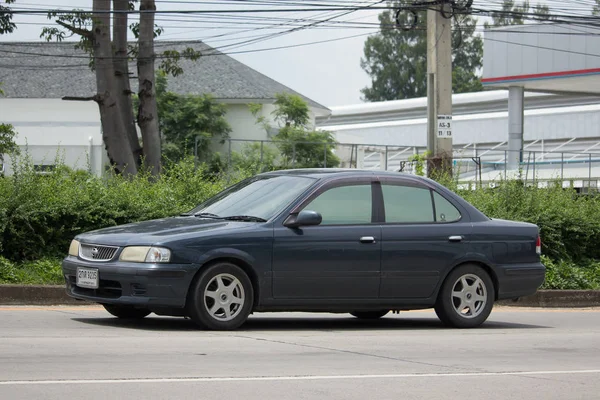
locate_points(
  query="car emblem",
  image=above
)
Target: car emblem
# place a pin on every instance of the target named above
(95, 251)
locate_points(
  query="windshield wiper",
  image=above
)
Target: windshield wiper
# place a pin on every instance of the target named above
(207, 215)
(248, 218)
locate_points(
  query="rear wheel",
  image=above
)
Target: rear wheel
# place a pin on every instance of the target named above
(369, 314)
(466, 298)
(221, 298)
(126, 312)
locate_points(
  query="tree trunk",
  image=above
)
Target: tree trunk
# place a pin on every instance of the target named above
(121, 67)
(113, 128)
(148, 111)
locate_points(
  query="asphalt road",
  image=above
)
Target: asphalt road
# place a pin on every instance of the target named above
(83, 352)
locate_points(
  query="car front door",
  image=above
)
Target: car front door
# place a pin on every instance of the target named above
(337, 259)
(423, 235)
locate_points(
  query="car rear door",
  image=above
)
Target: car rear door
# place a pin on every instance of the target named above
(423, 235)
(338, 259)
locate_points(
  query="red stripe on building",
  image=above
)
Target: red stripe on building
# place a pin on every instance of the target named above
(544, 75)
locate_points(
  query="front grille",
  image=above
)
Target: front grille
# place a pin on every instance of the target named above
(92, 252)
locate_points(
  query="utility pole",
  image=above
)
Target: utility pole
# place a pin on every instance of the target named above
(439, 88)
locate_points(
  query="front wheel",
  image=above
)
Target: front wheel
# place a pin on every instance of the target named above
(466, 298)
(221, 298)
(126, 312)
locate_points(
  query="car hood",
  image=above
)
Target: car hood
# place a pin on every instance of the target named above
(160, 230)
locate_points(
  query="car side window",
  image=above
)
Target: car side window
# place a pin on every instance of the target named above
(344, 205)
(444, 210)
(407, 204)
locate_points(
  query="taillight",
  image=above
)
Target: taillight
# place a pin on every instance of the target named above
(538, 245)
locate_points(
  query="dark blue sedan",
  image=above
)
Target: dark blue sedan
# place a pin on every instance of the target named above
(344, 241)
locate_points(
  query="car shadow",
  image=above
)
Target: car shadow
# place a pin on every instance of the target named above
(275, 323)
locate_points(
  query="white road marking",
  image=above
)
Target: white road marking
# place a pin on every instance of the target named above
(292, 377)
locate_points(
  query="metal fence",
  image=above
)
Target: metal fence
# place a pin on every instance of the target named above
(477, 165)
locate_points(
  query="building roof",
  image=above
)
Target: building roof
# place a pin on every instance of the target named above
(463, 104)
(54, 70)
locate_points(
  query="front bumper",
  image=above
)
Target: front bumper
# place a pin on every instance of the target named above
(143, 285)
(519, 280)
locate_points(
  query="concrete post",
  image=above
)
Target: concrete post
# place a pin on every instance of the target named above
(516, 111)
(439, 88)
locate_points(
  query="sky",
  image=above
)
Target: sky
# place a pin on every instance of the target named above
(328, 73)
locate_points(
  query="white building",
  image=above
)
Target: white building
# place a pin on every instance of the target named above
(36, 76)
(547, 123)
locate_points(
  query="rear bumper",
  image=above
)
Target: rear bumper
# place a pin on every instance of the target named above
(519, 280)
(144, 285)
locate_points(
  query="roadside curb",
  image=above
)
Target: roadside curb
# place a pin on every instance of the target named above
(48, 295)
(54, 295)
(557, 299)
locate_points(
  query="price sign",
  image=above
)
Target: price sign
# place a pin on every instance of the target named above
(444, 126)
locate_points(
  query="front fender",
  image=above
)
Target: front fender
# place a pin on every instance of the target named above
(227, 252)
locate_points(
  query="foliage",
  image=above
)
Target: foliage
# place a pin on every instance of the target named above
(45, 271)
(182, 119)
(42, 213)
(7, 138)
(291, 110)
(515, 14)
(396, 60)
(569, 223)
(6, 24)
(566, 275)
(122, 142)
(419, 161)
(299, 145)
(596, 9)
(306, 149)
(255, 158)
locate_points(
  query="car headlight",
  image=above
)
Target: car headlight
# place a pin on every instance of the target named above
(147, 254)
(74, 248)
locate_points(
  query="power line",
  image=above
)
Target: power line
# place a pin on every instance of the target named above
(223, 11)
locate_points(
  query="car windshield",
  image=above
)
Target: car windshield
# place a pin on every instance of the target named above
(259, 197)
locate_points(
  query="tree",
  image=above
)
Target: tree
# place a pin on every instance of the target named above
(109, 59)
(7, 131)
(515, 14)
(596, 9)
(396, 60)
(6, 24)
(300, 145)
(148, 110)
(7, 139)
(185, 119)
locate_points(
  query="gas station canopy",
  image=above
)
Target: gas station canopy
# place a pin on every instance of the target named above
(547, 57)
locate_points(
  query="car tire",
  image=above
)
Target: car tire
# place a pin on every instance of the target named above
(221, 298)
(468, 286)
(126, 312)
(369, 314)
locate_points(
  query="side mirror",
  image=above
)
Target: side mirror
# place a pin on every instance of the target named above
(304, 218)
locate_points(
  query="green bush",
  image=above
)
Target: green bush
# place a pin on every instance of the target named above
(42, 213)
(46, 271)
(566, 275)
(569, 222)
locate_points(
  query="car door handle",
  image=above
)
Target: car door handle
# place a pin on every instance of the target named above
(367, 239)
(456, 238)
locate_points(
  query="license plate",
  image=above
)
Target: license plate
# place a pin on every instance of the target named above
(87, 278)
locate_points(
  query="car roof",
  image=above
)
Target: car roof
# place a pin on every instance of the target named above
(325, 173)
